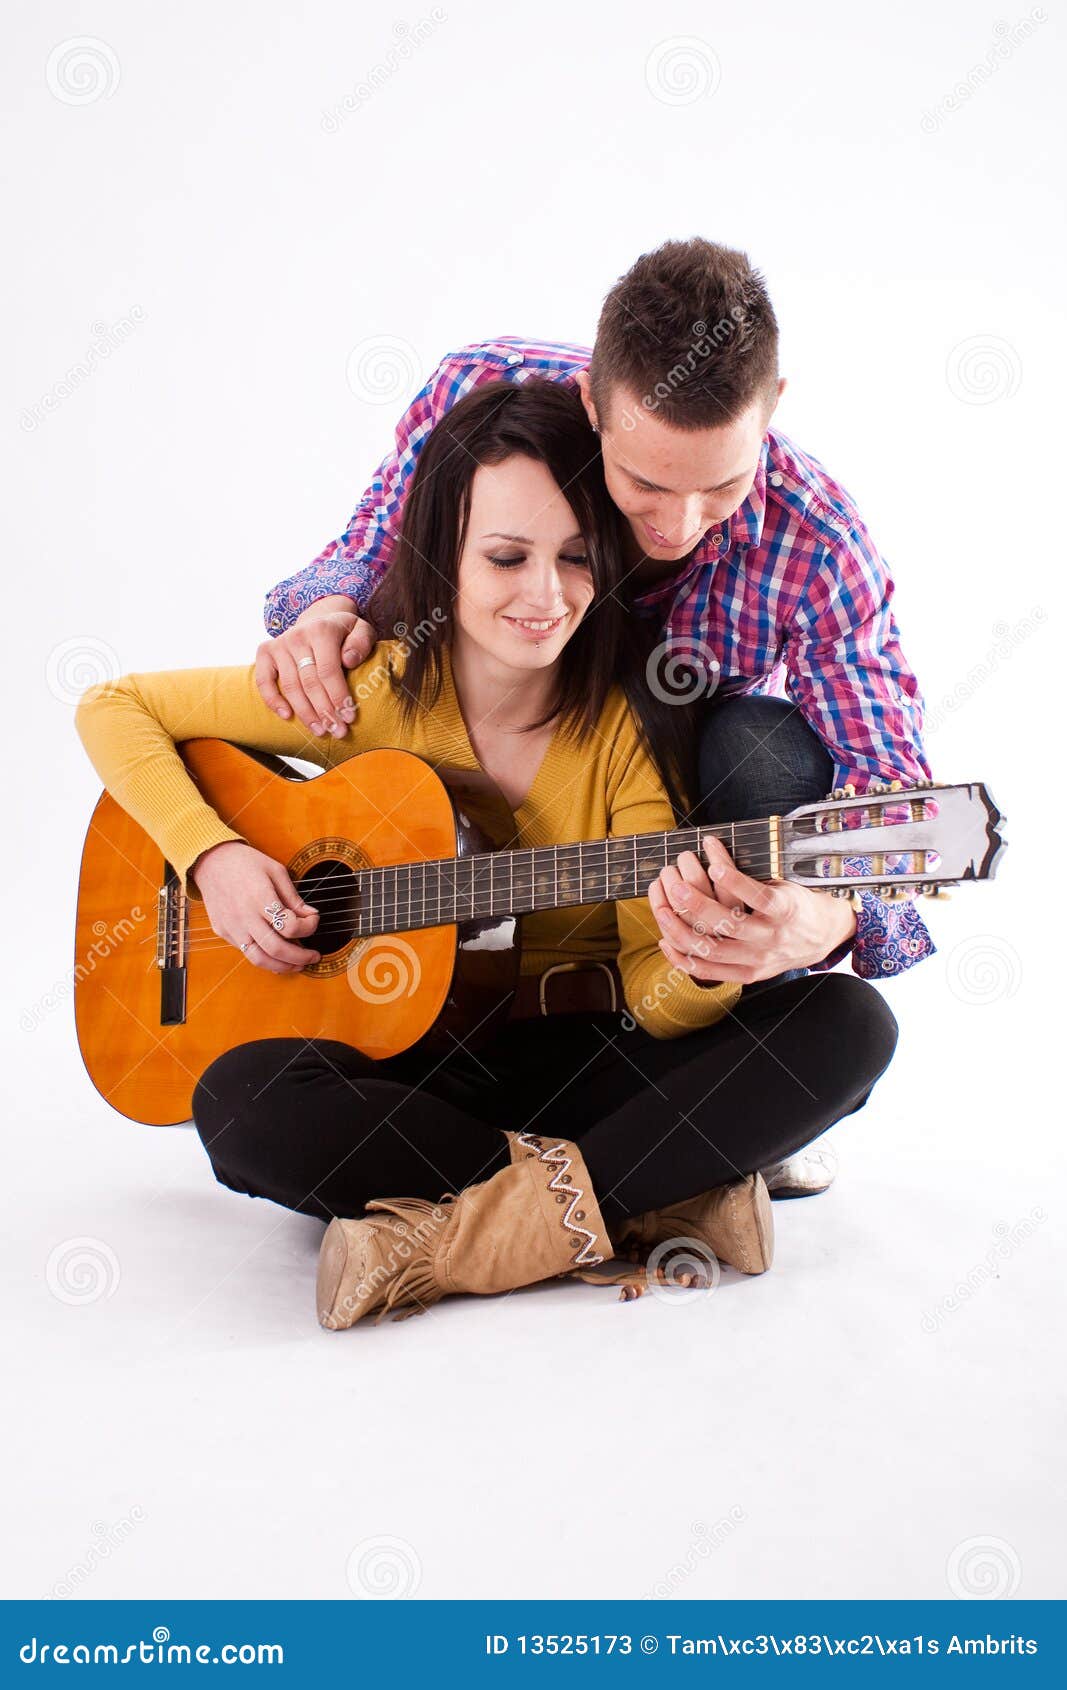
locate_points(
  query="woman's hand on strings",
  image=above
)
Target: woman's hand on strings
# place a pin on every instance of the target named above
(302, 672)
(238, 885)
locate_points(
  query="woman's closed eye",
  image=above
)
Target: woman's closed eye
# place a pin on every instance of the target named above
(509, 562)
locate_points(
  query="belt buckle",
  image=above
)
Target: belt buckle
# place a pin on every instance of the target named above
(568, 968)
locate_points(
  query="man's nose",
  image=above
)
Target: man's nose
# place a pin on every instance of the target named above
(681, 521)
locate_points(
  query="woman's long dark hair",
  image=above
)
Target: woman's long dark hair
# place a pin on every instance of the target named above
(415, 601)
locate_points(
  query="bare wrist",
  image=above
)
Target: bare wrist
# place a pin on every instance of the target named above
(326, 606)
(845, 924)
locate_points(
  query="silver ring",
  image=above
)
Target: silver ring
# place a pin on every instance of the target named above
(306, 663)
(246, 944)
(276, 914)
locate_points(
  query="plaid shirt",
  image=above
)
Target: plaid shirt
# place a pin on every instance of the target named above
(788, 597)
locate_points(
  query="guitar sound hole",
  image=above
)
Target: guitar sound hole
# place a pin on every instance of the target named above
(331, 888)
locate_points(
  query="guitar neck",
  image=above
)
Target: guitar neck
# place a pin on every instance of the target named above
(547, 877)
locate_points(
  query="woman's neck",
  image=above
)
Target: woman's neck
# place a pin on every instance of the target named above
(495, 697)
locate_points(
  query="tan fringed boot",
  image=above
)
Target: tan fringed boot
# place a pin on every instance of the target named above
(534, 1220)
(735, 1222)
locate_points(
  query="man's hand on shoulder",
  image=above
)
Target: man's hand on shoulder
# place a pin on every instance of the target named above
(302, 671)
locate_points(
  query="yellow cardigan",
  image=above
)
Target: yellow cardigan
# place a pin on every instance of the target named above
(605, 785)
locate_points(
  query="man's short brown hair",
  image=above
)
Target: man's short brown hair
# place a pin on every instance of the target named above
(688, 333)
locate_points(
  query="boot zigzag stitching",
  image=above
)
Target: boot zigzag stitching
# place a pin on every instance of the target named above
(557, 1158)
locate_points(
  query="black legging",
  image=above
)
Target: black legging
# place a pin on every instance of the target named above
(322, 1129)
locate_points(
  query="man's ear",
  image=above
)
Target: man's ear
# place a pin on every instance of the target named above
(587, 398)
(782, 385)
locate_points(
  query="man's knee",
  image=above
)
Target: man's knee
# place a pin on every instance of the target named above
(757, 756)
(863, 1026)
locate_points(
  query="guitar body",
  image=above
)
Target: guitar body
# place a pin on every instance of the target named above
(158, 996)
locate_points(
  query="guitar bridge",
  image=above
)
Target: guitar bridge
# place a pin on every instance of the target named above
(172, 923)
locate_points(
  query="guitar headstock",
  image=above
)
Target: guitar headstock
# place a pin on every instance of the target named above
(917, 838)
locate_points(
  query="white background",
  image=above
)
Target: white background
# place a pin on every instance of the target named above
(195, 197)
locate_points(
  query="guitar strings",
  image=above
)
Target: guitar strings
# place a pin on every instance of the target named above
(197, 932)
(566, 858)
(404, 898)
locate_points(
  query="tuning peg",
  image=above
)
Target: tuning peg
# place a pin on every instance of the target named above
(876, 788)
(849, 790)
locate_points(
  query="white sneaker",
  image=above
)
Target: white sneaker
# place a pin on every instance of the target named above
(804, 1174)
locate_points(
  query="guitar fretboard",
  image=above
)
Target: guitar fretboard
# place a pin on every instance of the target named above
(497, 883)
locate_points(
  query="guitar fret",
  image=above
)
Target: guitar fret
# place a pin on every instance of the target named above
(452, 890)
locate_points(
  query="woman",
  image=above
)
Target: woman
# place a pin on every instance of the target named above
(620, 1133)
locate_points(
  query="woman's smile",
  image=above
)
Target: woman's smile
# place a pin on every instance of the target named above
(529, 629)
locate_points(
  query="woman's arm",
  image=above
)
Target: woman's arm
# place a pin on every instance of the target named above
(663, 999)
(130, 728)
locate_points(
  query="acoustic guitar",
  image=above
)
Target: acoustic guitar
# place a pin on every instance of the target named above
(420, 905)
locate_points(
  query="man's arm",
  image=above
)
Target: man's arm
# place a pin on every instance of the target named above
(850, 678)
(314, 619)
(352, 566)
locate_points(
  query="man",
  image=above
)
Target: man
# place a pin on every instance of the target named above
(753, 559)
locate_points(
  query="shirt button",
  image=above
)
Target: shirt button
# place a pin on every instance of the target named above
(776, 479)
(716, 539)
(514, 357)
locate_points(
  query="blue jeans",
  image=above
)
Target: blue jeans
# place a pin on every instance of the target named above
(758, 757)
